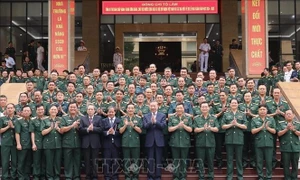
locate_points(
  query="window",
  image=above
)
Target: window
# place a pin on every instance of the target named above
(160, 19)
(4, 13)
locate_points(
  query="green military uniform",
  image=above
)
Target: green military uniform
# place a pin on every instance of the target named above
(130, 98)
(82, 108)
(267, 81)
(171, 81)
(215, 98)
(70, 97)
(80, 79)
(3, 79)
(131, 146)
(99, 87)
(263, 146)
(205, 144)
(242, 91)
(290, 148)
(38, 82)
(71, 148)
(268, 101)
(101, 105)
(230, 81)
(89, 99)
(95, 81)
(220, 135)
(49, 97)
(52, 148)
(238, 97)
(275, 79)
(218, 89)
(16, 79)
(180, 143)
(33, 104)
(192, 99)
(133, 80)
(37, 156)
(116, 77)
(8, 149)
(19, 107)
(248, 148)
(27, 66)
(59, 85)
(234, 140)
(109, 94)
(118, 106)
(24, 155)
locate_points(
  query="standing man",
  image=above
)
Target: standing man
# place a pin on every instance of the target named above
(23, 144)
(204, 55)
(8, 143)
(263, 127)
(118, 57)
(11, 51)
(40, 56)
(71, 143)
(217, 50)
(234, 122)
(289, 132)
(90, 129)
(206, 125)
(154, 124)
(32, 53)
(111, 145)
(10, 62)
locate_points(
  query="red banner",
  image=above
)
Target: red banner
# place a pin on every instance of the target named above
(160, 7)
(59, 35)
(256, 36)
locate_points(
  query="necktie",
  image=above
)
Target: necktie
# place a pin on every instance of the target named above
(91, 120)
(111, 122)
(153, 117)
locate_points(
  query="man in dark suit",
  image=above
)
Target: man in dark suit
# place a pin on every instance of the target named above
(111, 145)
(154, 123)
(90, 129)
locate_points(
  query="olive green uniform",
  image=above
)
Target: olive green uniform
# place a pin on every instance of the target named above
(205, 144)
(234, 140)
(24, 155)
(263, 146)
(131, 146)
(180, 143)
(37, 156)
(248, 148)
(118, 106)
(290, 148)
(230, 81)
(49, 97)
(71, 148)
(267, 81)
(8, 149)
(52, 149)
(27, 66)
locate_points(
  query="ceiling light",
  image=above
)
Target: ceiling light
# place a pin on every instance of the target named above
(217, 34)
(293, 16)
(28, 18)
(104, 34)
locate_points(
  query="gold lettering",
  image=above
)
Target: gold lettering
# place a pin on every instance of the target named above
(59, 26)
(59, 49)
(59, 33)
(256, 15)
(255, 3)
(256, 28)
(59, 11)
(59, 18)
(257, 64)
(256, 41)
(59, 3)
(59, 41)
(256, 54)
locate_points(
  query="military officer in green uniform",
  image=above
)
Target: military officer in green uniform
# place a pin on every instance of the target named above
(130, 96)
(211, 96)
(180, 127)
(219, 109)
(131, 127)
(23, 144)
(266, 80)
(27, 65)
(234, 94)
(119, 104)
(234, 122)
(205, 127)
(276, 77)
(100, 105)
(36, 140)
(289, 132)
(50, 128)
(251, 110)
(263, 127)
(231, 79)
(81, 105)
(49, 95)
(8, 143)
(71, 143)
(38, 100)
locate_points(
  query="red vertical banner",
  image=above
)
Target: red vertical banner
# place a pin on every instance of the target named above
(256, 36)
(59, 36)
(243, 6)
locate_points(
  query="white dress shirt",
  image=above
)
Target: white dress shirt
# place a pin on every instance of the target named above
(10, 62)
(204, 47)
(287, 75)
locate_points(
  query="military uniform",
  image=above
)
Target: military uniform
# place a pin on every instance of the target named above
(268, 101)
(33, 104)
(70, 97)
(8, 149)
(103, 106)
(205, 144)
(218, 89)
(267, 81)
(109, 94)
(16, 79)
(180, 143)
(52, 148)
(49, 97)
(130, 98)
(37, 156)
(234, 140)
(192, 99)
(215, 98)
(71, 148)
(290, 148)
(131, 146)
(38, 82)
(263, 146)
(24, 155)
(238, 97)
(275, 79)
(118, 106)
(27, 66)
(82, 108)
(230, 81)
(187, 107)
(248, 148)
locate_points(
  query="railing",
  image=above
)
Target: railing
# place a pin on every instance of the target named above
(82, 57)
(236, 61)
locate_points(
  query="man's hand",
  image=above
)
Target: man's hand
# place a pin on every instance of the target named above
(34, 148)
(19, 147)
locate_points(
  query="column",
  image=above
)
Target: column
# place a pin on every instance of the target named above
(90, 30)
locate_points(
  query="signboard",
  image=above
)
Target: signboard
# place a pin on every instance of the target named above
(160, 7)
(256, 36)
(59, 34)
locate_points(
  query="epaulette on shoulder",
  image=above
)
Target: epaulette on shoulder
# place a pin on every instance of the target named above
(196, 116)
(33, 118)
(45, 117)
(281, 121)
(296, 121)
(138, 116)
(65, 115)
(268, 100)
(19, 118)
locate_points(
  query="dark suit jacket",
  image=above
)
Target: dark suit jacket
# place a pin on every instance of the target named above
(294, 74)
(91, 138)
(154, 131)
(107, 140)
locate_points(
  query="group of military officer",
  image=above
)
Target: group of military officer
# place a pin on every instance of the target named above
(230, 111)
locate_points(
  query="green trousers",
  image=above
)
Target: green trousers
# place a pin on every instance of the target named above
(9, 154)
(264, 153)
(180, 162)
(38, 164)
(205, 154)
(219, 138)
(248, 149)
(290, 158)
(131, 154)
(53, 163)
(24, 164)
(72, 163)
(232, 149)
